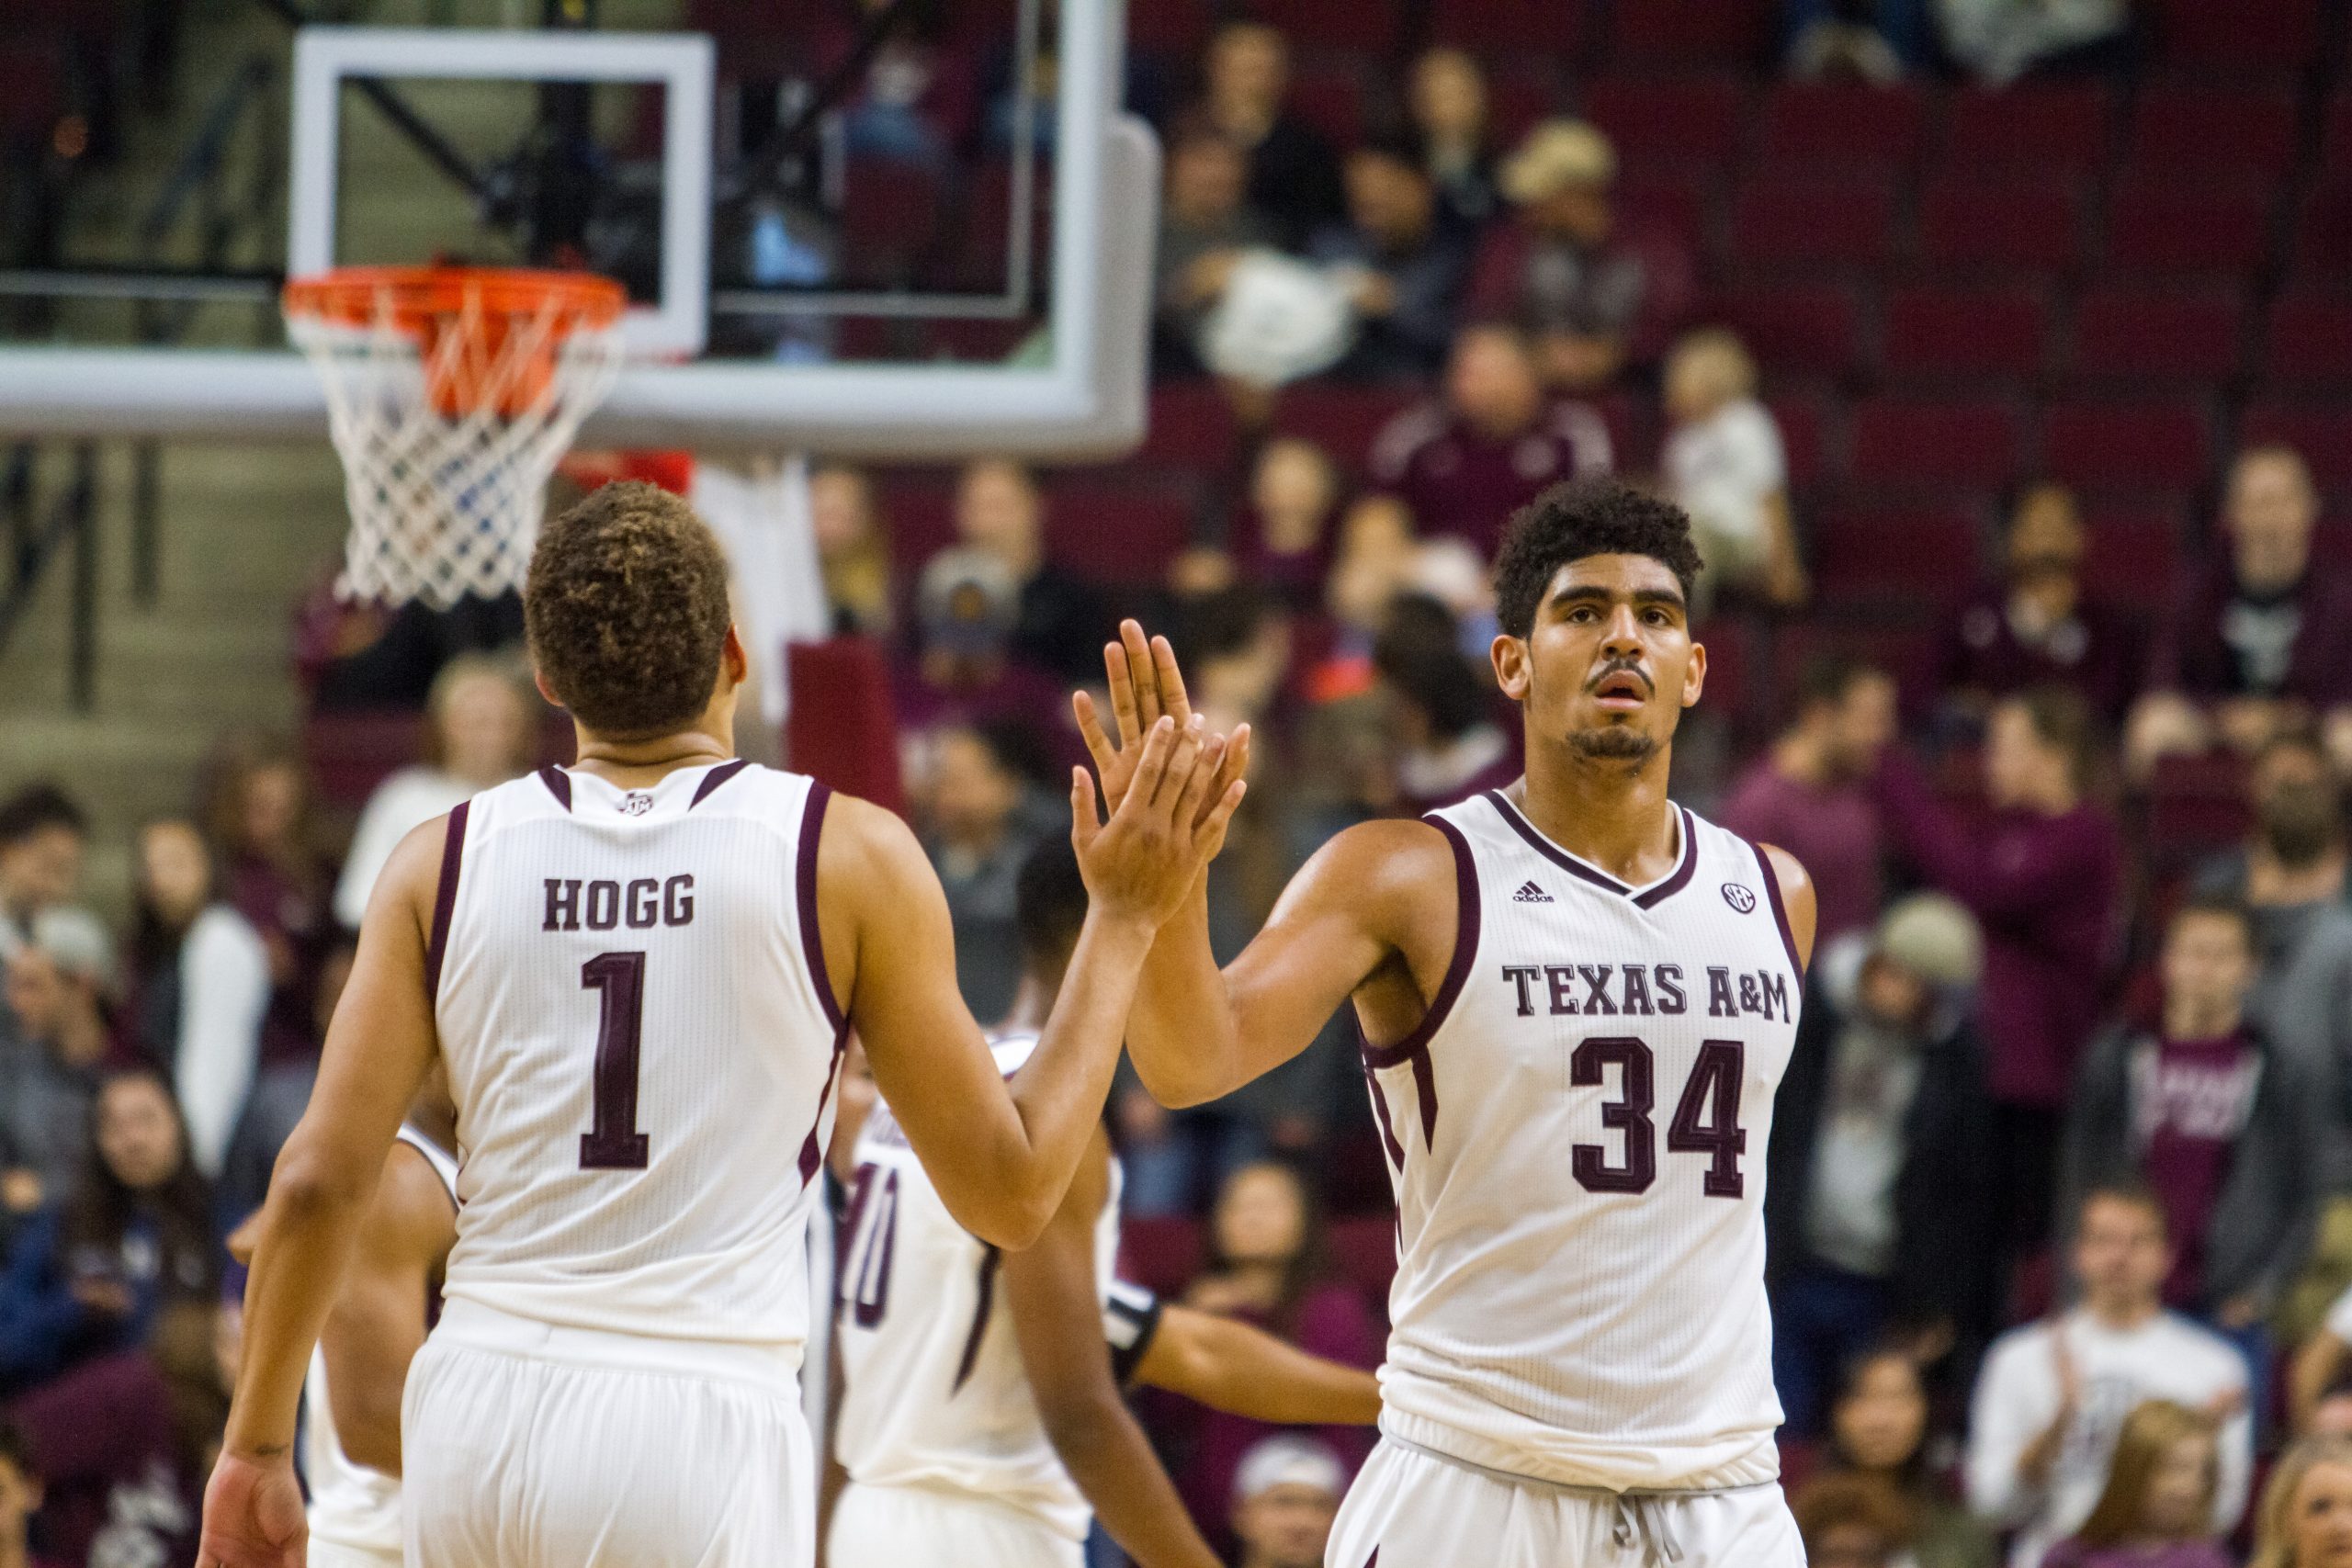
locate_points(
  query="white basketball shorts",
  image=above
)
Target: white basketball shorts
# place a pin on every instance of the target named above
(914, 1526)
(1409, 1506)
(528, 1446)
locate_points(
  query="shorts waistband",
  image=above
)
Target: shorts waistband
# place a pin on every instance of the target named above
(1569, 1489)
(471, 1323)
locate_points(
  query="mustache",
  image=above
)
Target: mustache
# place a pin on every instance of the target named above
(1616, 667)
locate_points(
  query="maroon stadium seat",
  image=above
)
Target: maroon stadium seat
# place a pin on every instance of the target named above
(1363, 1252)
(1112, 534)
(1517, 99)
(2046, 130)
(1825, 125)
(1966, 225)
(1813, 222)
(1557, 29)
(918, 505)
(2335, 135)
(1341, 419)
(1160, 1252)
(1675, 205)
(2322, 432)
(2196, 806)
(2324, 234)
(1634, 433)
(2128, 333)
(1813, 329)
(1329, 95)
(1694, 32)
(1176, 29)
(2137, 447)
(1930, 333)
(2134, 555)
(2307, 344)
(2157, 226)
(891, 214)
(1191, 426)
(1913, 556)
(1804, 422)
(2276, 37)
(350, 753)
(2222, 134)
(1971, 443)
(1358, 26)
(1674, 122)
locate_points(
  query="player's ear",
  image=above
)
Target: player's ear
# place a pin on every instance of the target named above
(1694, 675)
(1511, 672)
(738, 663)
(539, 680)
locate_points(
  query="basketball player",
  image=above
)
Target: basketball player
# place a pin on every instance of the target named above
(1576, 1000)
(638, 974)
(981, 1422)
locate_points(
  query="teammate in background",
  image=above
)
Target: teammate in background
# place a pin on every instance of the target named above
(351, 1439)
(981, 1432)
(612, 1377)
(1576, 1000)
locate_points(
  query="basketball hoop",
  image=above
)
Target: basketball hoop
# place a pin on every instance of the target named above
(452, 391)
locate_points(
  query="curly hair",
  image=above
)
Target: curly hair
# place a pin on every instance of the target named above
(1579, 518)
(627, 611)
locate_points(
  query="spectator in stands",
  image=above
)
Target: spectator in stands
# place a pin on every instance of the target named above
(853, 549)
(1997, 40)
(43, 836)
(916, 99)
(2045, 875)
(2156, 1510)
(2036, 626)
(2331, 1415)
(1405, 269)
(1207, 222)
(90, 1277)
(51, 1056)
(20, 1500)
(1446, 100)
(1849, 1522)
(1877, 1208)
(119, 1485)
(2264, 641)
(2306, 1519)
(281, 1093)
(1293, 174)
(1061, 625)
(2218, 1124)
(1554, 268)
(357, 654)
(1285, 1495)
(1878, 1430)
(1878, 41)
(1266, 1265)
(1724, 466)
(978, 835)
(1445, 743)
(964, 672)
(1280, 538)
(258, 817)
(1809, 792)
(198, 986)
(2054, 1395)
(478, 731)
(1465, 464)
(2318, 1376)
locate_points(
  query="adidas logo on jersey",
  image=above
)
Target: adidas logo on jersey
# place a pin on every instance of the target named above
(1530, 894)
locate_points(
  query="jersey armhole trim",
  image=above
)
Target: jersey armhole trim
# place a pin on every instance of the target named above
(1780, 909)
(445, 898)
(717, 776)
(812, 938)
(558, 785)
(1458, 971)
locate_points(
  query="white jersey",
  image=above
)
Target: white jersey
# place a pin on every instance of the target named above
(351, 1505)
(1577, 1135)
(642, 1041)
(934, 1394)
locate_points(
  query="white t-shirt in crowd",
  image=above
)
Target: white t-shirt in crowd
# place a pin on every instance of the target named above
(408, 798)
(1721, 469)
(224, 994)
(2018, 1397)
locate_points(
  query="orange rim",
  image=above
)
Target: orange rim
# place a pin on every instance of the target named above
(415, 297)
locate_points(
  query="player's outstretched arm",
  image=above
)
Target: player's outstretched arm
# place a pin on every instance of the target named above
(378, 1324)
(1055, 1304)
(1241, 1370)
(999, 1153)
(378, 1049)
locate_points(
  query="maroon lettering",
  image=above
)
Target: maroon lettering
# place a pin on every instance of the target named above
(604, 905)
(563, 906)
(1719, 998)
(1776, 994)
(678, 901)
(1637, 991)
(613, 1141)
(1522, 977)
(644, 902)
(1562, 978)
(1671, 998)
(1596, 988)
(1751, 999)
(1628, 1114)
(1706, 1119)
(870, 1283)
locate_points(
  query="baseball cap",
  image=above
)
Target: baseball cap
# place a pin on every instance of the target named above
(1558, 155)
(1933, 937)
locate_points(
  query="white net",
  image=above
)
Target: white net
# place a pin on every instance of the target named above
(449, 434)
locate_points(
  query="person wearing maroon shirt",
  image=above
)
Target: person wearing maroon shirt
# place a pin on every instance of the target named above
(116, 1486)
(2036, 626)
(2216, 1124)
(2263, 639)
(1465, 464)
(2043, 876)
(1809, 795)
(21, 1495)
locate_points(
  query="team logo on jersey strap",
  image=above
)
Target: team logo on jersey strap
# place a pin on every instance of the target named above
(1530, 894)
(635, 803)
(1738, 897)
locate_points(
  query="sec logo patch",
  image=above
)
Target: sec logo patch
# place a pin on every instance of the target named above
(1738, 897)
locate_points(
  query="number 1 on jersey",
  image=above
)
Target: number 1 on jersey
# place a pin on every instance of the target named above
(613, 1141)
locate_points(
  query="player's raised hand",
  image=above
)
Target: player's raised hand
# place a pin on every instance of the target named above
(252, 1516)
(1169, 823)
(1144, 684)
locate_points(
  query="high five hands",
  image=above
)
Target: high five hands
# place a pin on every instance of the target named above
(1146, 685)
